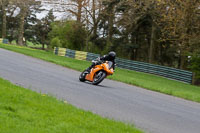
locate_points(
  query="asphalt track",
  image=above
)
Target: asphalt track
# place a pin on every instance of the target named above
(151, 111)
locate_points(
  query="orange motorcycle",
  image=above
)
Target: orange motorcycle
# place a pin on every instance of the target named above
(97, 73)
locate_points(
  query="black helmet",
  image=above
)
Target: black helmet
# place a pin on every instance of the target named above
(112, 55)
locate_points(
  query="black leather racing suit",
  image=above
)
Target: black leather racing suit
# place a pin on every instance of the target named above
(101, 60)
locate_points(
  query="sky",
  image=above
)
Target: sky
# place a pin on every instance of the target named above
(58, 15)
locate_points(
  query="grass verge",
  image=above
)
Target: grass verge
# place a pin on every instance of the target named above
(25, 111)
(148, 81)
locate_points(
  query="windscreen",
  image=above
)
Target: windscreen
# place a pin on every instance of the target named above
(110, 64)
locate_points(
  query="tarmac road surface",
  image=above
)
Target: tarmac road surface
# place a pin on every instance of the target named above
(151, 111)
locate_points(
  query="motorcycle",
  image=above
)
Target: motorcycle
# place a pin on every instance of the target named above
(98, 73)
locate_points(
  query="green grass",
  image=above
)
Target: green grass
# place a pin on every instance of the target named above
(30, 44)
(25, 111)
(144, 80)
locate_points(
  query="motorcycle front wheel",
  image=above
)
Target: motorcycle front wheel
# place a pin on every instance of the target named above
(82, 76)
(99, 77)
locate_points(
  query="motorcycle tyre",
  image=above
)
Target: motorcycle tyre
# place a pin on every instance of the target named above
(100, 79)
(82, 77)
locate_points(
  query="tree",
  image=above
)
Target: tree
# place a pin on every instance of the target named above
(55, 42)
(69, 33)
(91, 20)
(45, 27)
(77, 9)
(25, 7)
(108, 21)
(4, 4)
(156, 31)
(180, 26)
(134, 17)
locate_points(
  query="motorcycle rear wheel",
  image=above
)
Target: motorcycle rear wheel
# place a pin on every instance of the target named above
(99, 77)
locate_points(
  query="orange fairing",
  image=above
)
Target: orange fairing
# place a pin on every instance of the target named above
(104, 67)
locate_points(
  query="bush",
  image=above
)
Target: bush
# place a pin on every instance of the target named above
(70, 34)
(195, 67)
(55, 42)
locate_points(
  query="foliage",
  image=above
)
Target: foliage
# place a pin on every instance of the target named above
(155, 31)
(42, 29)
(20, 19)
(55, 42)
(195, 64)
(179, 21)
(71, 34)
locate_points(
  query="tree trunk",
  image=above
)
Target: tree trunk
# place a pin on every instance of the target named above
(182, 61)
(137, 43)
(94, 18)
(79, 11)
(42, 46)
(152, 43)
(43, 41)
(21, 26)
(87, 40)
(193, 78)
(110, 31)
(4, 20)
(110, 27)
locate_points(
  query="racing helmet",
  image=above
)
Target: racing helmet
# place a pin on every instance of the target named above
(112, 55)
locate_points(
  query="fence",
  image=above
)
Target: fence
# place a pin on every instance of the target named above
(5, 41)
(168, 72)
(80, 55)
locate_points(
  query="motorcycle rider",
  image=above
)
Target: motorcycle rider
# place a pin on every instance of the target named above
(108, 57)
